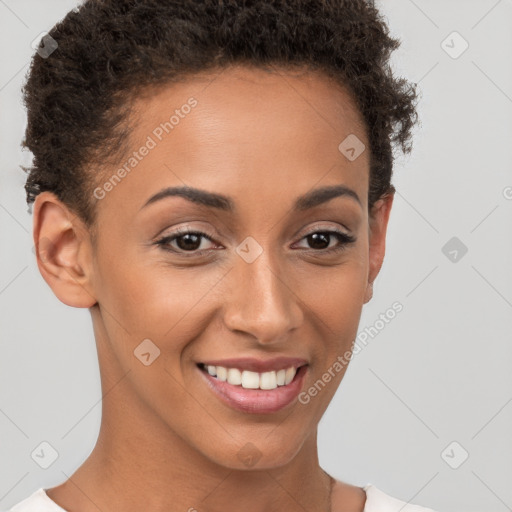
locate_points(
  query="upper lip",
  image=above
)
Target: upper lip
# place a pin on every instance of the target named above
(258, 365)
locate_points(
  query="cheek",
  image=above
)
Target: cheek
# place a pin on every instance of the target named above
(336, 293)
(153, 300)
(334, 298)
(144, 298)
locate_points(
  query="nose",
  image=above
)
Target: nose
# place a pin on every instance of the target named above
(261, 301)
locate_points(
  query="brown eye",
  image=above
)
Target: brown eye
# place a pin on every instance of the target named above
(188, 242)
(320, 240)
(185, 242)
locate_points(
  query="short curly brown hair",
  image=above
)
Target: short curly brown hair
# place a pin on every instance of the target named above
(109, 51)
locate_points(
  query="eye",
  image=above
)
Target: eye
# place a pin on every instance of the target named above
(321, 240)
(187, 241)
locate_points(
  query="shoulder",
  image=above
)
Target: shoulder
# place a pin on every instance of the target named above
(368, 499)
(38, 501)
(379, 501)
(376, 501)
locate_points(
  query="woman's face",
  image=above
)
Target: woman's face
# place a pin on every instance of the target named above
(270, 280)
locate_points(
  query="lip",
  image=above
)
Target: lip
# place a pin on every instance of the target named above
(258, 365)
(255, 401)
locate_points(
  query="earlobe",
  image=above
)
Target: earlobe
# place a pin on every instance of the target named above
(368, 293)
(62, 248)
(379, 217)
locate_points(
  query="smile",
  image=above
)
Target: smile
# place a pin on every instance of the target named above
(251, 380)
(252, 391)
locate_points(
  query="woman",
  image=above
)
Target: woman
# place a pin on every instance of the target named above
(212, 180)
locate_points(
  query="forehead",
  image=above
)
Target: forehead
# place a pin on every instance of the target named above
(291, 93)
(244, 129)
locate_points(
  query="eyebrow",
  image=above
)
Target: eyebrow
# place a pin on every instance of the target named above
(225, 203)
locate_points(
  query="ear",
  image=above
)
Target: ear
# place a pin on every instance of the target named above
(63, 251)
(378, 220)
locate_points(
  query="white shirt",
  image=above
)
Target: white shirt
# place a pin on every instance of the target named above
(376, 501)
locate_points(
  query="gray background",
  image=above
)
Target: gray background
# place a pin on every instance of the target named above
(439, 372)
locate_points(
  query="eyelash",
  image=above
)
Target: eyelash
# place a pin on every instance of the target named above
(343, 239)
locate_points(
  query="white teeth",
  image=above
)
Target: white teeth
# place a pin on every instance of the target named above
(268, 380)
(290, 373)
(234, 377)
(253, 380)
(250, 380)
(222, 373)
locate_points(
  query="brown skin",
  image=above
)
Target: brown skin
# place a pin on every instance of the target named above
(166, 442)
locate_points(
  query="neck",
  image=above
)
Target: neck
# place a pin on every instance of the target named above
(141, 466)
(139, 463)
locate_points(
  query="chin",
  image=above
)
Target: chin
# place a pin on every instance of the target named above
(258, 452)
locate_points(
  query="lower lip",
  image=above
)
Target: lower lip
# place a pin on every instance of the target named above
(256, 401)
